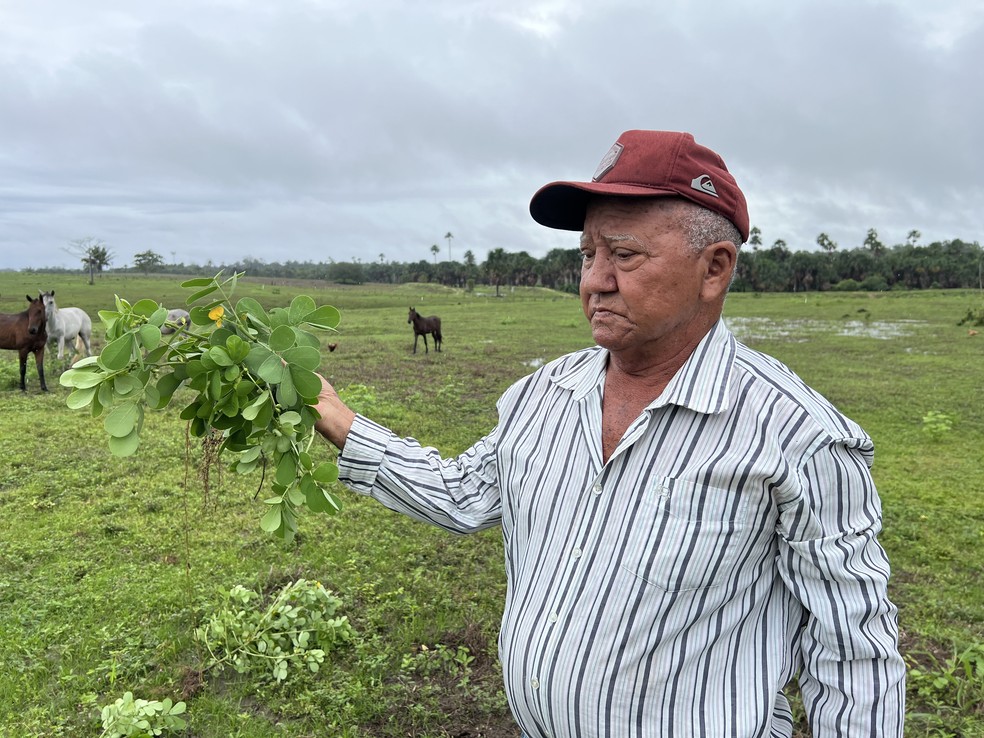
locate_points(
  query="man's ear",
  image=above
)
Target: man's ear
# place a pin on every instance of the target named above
(719, 259)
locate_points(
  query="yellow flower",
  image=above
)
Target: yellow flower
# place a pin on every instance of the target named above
(216, 314)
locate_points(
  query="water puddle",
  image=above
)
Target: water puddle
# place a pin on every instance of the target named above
(746, 329)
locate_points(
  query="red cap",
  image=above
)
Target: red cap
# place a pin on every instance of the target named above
(647, 164)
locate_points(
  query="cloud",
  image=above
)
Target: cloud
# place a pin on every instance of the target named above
(332, 128)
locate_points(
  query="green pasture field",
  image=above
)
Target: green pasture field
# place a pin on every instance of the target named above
(108, 565)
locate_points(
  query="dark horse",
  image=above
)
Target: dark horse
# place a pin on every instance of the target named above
(25, 333)
(422, 326)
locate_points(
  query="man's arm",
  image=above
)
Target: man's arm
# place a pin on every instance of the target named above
(460, 494)
(853, 679)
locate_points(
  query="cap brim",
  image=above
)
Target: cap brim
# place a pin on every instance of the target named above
(563, 205)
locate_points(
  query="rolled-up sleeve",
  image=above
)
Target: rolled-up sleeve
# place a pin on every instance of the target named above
(853, 678)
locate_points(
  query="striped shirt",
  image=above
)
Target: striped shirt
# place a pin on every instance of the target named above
(727, 545)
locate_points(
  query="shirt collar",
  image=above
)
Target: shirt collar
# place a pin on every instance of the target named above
(701, 384)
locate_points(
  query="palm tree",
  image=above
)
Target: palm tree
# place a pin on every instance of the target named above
(871, 242)
(435, 249)
(826, 243)
(449, 236)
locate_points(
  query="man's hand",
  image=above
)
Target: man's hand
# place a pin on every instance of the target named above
(336, 417)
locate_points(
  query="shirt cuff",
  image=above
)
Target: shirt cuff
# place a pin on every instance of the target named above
(362, 454)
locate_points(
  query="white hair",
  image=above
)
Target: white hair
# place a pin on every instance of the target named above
(704, 227)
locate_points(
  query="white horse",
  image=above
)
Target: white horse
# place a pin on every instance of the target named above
(67, 324)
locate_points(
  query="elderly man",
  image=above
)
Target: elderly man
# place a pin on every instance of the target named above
(687, 525)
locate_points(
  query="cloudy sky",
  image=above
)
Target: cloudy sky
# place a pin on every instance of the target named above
(311, 130)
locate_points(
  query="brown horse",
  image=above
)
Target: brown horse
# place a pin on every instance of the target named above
(25, 332)
(423, 326)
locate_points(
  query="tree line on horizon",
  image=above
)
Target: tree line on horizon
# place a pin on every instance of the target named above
(871, 267)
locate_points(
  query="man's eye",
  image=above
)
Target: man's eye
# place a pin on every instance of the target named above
(623, 255)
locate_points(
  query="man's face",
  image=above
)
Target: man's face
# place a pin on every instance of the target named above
(641, 283)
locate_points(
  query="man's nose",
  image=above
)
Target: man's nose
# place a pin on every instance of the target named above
(599, 274)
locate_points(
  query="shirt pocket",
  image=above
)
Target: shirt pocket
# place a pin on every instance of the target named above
(687, 535)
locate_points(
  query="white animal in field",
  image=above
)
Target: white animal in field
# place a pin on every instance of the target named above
(70, 324)
(176, 320)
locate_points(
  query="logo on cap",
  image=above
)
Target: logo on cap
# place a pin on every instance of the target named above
(703, 184)
(608, 163)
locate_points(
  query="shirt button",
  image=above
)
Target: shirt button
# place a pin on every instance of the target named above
(535, 683)
(576, 553)
(553, 617)
(597, 489)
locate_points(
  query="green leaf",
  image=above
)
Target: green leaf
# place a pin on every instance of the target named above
(305, 357)
(251, 411)
(306, 338)
(278, 317)
(80, 398)
(270, 521)
(199, 315)
(150, 336)
(325, 317)
(106, 393)
(215, 385)
(152, 397)
(326, 473)
(312, 495)
(220, 356)
(282, 338)
(265, 416)
(166, 386)
(81, 378)
(125, 384)
(272, 371)
(126, 445)
(202, 293)
(230, 405)
(307, 384)
(256, 356)
(159, 316)
(300, 306)
(190, 411)
(198, 427)
(154, 357)
(251, 454)
(194, 367)
(219, 336)
(286, 470)
(72, 377)
(207, 363)
(296, 496)
(123, 419)
(290, 418)
(146, 308)
(108, 318)
(286, 393)
(198, 282)
(118, 353)
(252, 308)
(238, 349)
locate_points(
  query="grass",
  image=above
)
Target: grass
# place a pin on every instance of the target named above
(108, 565)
